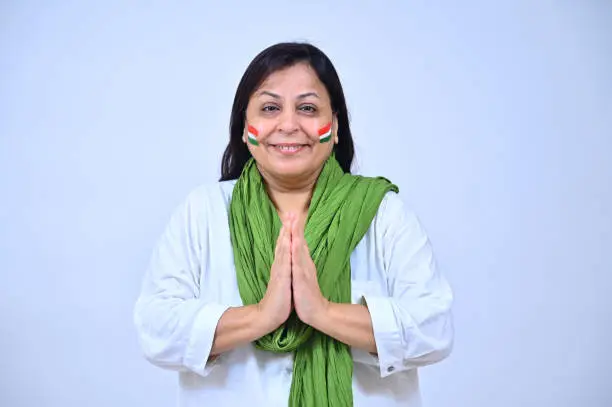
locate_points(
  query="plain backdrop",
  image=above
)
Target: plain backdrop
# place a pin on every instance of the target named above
(494, 118)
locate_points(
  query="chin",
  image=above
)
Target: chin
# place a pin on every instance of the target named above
(291, 170)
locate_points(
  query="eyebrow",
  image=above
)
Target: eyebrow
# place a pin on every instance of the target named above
(305, 95)
(265, 92)
(302, 96)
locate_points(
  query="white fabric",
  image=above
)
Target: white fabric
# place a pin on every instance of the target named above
(191, 281)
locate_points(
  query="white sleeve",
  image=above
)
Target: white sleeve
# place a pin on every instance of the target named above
(413, 325)
(175, 327)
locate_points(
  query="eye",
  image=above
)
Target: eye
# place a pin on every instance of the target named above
(308, 108)
(269, 108)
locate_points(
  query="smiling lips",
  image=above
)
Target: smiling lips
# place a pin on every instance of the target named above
(288, 148)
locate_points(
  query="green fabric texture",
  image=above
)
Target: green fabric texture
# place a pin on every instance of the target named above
(341, 210)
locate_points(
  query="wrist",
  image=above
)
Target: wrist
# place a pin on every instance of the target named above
(263, 322)
(322, 317)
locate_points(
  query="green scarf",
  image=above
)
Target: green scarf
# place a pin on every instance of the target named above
(341, 210)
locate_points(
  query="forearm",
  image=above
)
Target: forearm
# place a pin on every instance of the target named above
(237, 326)
(347, 323)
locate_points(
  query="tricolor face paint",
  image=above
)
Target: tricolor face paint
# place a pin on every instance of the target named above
(325, 134)
(252, 135)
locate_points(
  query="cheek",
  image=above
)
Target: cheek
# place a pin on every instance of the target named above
(324, 133)
(317, 130)
(267, 128)
(259, 129)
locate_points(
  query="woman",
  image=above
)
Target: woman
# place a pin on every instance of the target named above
(291, 281)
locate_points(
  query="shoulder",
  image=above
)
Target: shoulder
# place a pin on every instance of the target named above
(392, 205)
(212, 193)
(206, 201)
(395, 213)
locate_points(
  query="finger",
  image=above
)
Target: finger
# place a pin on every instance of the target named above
(299, 232)
(295, 240)
(289, 225)
(279, 241)
(304, 242)
(298, 236)
(288, 241)
(300, 228)
(295, 228)
(283, 235)
(284, 247)
(292, 242)
(287, 218)
(294, 253)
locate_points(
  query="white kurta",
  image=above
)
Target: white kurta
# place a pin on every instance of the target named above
(191, 281)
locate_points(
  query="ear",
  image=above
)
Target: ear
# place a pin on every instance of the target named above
(335, 127)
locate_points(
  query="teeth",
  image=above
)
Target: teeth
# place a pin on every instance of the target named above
(288, 148)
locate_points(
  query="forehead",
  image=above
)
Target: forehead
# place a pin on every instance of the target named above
(296, 78)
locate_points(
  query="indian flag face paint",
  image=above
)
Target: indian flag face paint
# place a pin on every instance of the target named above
(325, 133)
(252, 135)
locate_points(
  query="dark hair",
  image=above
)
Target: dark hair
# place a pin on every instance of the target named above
(272, 59)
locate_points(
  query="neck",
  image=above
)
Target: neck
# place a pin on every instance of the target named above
(291, 195)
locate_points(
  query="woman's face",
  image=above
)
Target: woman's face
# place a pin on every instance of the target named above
(287, 121)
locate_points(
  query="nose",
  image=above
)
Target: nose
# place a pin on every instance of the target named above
(288, 122)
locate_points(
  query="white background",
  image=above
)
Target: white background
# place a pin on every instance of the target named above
(494, 119)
